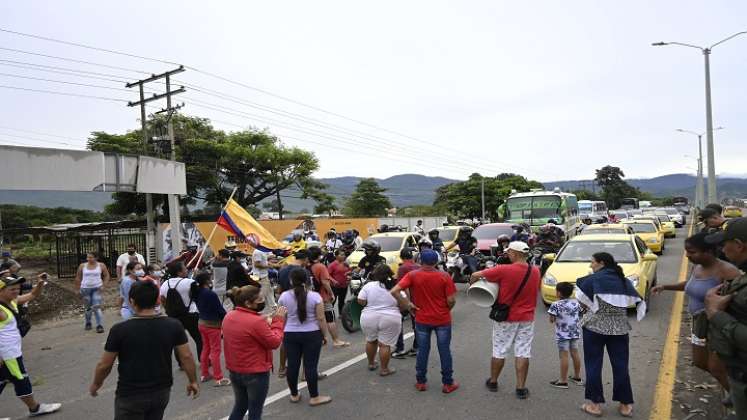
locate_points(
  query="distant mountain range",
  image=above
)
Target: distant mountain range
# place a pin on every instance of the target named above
(403, 190)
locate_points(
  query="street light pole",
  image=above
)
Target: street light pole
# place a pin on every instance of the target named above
(699, 186)
(712, 193)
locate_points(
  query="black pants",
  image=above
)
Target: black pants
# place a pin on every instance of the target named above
(148, 406)
(618, 351)
(189, 322)
(304, 346)
(340, 293)
(400, 347)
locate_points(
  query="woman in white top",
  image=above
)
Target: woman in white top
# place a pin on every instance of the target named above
(381, 320)
(90, 278)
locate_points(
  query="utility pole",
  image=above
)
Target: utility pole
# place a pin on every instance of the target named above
(482, 194)
(173, 200)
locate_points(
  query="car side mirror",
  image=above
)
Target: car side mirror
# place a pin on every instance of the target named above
(549, 257)
(650, 256)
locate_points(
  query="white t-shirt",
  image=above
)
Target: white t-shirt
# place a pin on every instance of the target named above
(91, 278)
(182, 287)
(378, 299)
(124, 259)
(333, 244)
(259, 257)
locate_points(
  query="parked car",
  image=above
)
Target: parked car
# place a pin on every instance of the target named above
(732, 211)
(606, 228)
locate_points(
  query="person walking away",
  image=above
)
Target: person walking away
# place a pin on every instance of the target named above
(125, 259)
(518, 285)
(435, 295)
(408, 264)
(340, 272)
(607, 294)
(381, 320)
(90, 279)
(305, 332)
(132, 273)
(154, 273)
(250, 339)
(300, 261)
(261, 269)
(726, 309)
(564, 314)
(708, 272)
(177, 294)
(211, 314)
(220, 274)
(323, 284)
(12, 330)
(143, 346)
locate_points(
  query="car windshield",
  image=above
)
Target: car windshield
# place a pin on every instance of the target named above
(389, 243)
(601, 230)
(539, 207)
(584, 207)
(642, 227)
(447, 234)
(492, 232)
(663, 218)
(581, 251)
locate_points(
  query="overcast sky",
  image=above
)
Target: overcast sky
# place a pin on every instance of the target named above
(548, 89)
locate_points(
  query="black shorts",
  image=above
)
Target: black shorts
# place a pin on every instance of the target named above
(329, 316)
(9, 372)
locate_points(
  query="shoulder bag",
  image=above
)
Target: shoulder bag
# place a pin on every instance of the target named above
(499, 311)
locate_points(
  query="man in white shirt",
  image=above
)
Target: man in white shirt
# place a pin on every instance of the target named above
(128, 256)
(183, 285)
(261, 269)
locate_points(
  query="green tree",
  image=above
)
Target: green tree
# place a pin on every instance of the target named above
(17, 216)
(586, 195)
(271, 206)
(614, 188)
(325, 203)
(368, 200)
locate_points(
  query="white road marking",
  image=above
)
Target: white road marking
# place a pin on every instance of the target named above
(331, 371)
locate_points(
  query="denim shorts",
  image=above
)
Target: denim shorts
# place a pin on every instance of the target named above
(566, 345)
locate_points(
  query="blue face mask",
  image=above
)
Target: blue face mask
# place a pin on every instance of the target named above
(139, 273)
(158, 274)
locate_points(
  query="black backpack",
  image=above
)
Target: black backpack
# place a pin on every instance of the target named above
(174, 303)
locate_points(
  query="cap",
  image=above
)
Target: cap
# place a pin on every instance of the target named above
(732, 229)
(10, 281)
(519, 246)
(429, 257)
(707, 212)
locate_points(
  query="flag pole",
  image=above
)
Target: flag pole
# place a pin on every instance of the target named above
(212, 232)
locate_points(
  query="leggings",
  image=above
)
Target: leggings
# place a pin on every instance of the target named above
(341, 293)
(306, 346)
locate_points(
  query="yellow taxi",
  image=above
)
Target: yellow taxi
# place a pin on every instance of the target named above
(647, 231)
(732, 211)
(573, 262)
(604, 228)
(667, 226)
(391, 244)
(448, 234)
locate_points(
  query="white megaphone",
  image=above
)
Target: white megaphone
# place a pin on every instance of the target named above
(483, 293)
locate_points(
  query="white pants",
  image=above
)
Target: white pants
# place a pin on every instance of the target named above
(269, 295)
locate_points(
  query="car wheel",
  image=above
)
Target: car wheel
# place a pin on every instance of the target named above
(346, 319)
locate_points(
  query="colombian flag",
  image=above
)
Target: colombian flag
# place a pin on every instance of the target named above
(237, 221)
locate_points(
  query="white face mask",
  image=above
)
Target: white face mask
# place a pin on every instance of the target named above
(139, 273)
(157, 274)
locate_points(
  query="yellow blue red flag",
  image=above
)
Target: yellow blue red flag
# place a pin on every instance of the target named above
(237, 221)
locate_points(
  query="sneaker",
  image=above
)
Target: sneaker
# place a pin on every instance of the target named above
(522, 393)
(449, 388)
(412, 352)
(576, 381)
(492, 386)
(558, 384)
(99, 329)
(399, 354)
(421, 387)
(45, 408)
(88, 327)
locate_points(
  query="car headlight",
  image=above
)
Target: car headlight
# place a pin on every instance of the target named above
(634, 279)
(652, 241)
(549, 280)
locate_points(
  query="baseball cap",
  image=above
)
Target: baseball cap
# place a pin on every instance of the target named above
(519, 246)
(10, 281)
(732, 229)
(429, 257)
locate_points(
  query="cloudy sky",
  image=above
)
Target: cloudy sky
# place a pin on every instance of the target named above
(548, 89)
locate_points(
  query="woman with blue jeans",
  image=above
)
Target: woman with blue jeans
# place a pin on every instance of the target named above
(90, 278)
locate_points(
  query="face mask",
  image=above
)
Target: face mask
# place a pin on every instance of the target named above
(131, 252)
(140, 273)
(158, 274)
(260, 307)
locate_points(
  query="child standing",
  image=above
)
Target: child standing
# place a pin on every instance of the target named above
(564, 313)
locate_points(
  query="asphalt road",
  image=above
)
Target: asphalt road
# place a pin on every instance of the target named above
(60, 358)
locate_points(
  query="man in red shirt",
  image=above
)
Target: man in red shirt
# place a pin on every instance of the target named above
(518, 329)
(408, 264)
(435, 295)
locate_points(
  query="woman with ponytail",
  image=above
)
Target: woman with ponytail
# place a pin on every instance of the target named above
(607, 294)
(305, 332)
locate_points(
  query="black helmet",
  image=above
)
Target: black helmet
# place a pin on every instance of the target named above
(465, 231)
(370, 245)
(503, 238)
(425, 242)
(433, 234)
(406, 253)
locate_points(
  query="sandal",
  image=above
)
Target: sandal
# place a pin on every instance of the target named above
(373, 367)
(387, 372)
(281, 373)
(205, 378)
(585, 409)
(321, 401)
(296, 399)
(628, 414)
(341, 345)
(223, 382)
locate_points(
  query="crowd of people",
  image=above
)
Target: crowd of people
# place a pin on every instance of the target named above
(241, 308)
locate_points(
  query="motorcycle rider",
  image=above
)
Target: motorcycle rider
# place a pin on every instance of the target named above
(519, 234)
(372, 257)
(297, 243)
(548, 238)
(585, 221)
(501, 256)
(467, 245)
(419, 228)
(438, 244)
(423, 244)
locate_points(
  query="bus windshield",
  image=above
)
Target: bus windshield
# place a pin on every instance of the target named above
(536, 210)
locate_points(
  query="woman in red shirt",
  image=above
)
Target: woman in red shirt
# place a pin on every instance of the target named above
(339, 270)
(249, 339)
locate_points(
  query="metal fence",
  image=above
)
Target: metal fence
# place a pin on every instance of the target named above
(72, 248)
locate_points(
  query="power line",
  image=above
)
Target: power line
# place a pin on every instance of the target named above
(60, 68)
(103, 98)
(66, 73)
(37, 133)
(63, 82)
(42, 140)
(72, 60)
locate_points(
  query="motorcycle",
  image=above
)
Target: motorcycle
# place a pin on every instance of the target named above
(350, 317)
(536, 257)
(459, 270)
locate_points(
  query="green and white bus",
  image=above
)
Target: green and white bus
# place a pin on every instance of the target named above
(537, 208)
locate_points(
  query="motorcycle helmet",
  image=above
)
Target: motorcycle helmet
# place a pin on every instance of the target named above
(503, 238)
(465, 232)
(406, 254)
(371, 247)
(433, 234)
(425, 243)
(348, 237)
(297, 237)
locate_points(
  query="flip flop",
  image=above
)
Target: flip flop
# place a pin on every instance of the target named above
(629, 414)
(341, 345)
(281, 374)
(324, 400)
(373, 367)
(297, 400)
(388, 372)
(585, 409)
(223, 382)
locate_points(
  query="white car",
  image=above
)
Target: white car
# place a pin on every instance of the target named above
(674, 215)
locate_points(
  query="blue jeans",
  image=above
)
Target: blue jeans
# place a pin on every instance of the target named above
(92, 302)
(471, 262)
(249, 391)
(443, 341)
(618, 351)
